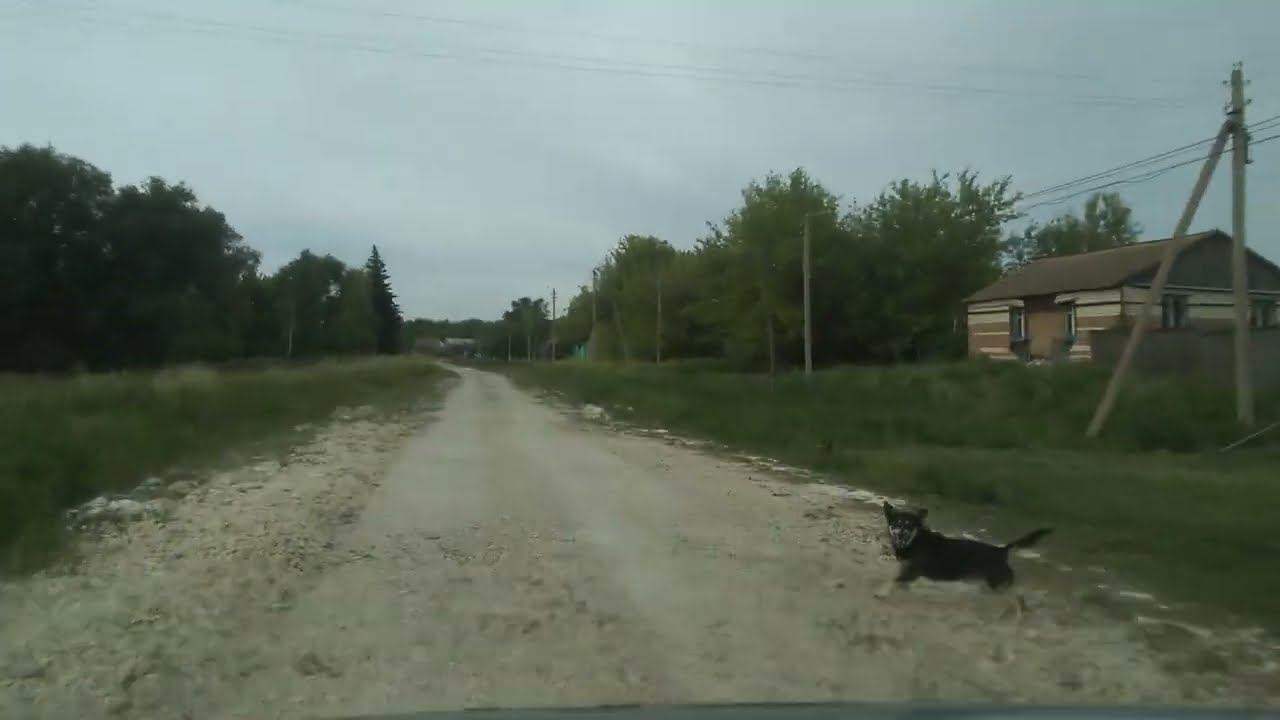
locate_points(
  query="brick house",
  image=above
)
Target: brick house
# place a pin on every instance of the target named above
(1047, 308)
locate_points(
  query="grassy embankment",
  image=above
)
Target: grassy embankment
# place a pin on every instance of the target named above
(1004, 443)
(65, 440)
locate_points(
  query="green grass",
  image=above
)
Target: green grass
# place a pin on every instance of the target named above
(65, 440)
(1003, 444)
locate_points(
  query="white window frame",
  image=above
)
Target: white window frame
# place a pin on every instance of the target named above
(1262, 312)
(1178, 302)
(1072, 321)
(1021, 314)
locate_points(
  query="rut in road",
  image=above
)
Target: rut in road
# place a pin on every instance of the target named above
(513, 555)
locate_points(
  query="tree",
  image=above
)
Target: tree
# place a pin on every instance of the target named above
(51, 258)
(355, 325)
(307, 293)
(919, 250)
(528, 319)
(385, 309)
(1107, 222)
(176, 273)
(756, 293)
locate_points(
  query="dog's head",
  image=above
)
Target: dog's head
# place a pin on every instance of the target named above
(904, 525)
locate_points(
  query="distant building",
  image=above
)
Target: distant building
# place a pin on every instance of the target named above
(428, 346)
(1048, 308)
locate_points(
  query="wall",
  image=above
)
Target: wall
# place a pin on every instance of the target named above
(988, 326)
(1204, 352)
(1046, 324)
(1206, 309)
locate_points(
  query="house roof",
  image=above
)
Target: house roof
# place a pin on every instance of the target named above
(1086, 271)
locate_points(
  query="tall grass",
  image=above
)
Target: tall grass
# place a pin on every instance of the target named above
(1005, 443)
(65, 440)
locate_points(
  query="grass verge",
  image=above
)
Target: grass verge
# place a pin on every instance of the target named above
(1004, 443)
(66, 440)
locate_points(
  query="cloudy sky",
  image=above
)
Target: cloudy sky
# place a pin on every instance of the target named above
(499, 148)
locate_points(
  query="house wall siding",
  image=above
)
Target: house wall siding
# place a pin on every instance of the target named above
(1206, 309)
(988, 325)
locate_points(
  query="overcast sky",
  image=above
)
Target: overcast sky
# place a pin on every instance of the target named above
(499, 148)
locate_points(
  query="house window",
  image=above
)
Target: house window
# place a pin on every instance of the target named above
(1173, 312)
(1071, 321)
(1262, 313)
(1017, 324)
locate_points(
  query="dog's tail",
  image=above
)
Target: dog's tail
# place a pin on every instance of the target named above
(1029, 539)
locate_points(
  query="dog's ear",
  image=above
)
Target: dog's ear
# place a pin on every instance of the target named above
(888, 509)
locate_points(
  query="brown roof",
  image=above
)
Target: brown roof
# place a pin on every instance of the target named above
(1086, 271)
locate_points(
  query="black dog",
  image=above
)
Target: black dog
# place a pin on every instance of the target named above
(921, 552)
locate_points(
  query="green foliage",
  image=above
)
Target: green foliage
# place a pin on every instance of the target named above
(146, 275)
(386, 313)
(65, 440)
(1107, 222)
(888, 278)
(526, 323)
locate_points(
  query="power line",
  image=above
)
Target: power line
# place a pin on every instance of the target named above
(656, 41)
(785, 53)
(1260, 125)
(589, 64)
(1151, 175)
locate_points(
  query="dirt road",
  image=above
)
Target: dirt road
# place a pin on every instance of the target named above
(510, 554)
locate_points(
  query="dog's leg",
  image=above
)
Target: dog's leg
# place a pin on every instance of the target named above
(886, 589)
(905, 575)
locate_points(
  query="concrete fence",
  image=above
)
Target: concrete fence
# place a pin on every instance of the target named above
(1193, 351)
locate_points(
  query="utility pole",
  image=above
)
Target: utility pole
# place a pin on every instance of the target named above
(591, 339)
(657, 332)
(808, 320)
(808, 303)
(288, 352)
(1239, 273)
(553, 324)
(1157, 284)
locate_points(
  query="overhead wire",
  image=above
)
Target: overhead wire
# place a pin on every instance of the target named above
(435, 18)
(1263, 124)
(1145, 177)
(596, 64)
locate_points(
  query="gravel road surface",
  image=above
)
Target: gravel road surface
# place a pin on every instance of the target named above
(507, 553)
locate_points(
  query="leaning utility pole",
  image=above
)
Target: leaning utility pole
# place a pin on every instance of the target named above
(1239, 273)
(553, 324)
(1231, 127)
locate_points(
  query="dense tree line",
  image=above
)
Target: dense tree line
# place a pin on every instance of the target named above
(99, 277)
(888, 277)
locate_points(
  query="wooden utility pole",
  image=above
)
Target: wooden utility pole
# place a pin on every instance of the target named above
(591, 339)
(1171, 251)
(553, 324)
(808, 322)
(1239, 272)
(622, 336)
(657, 326)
